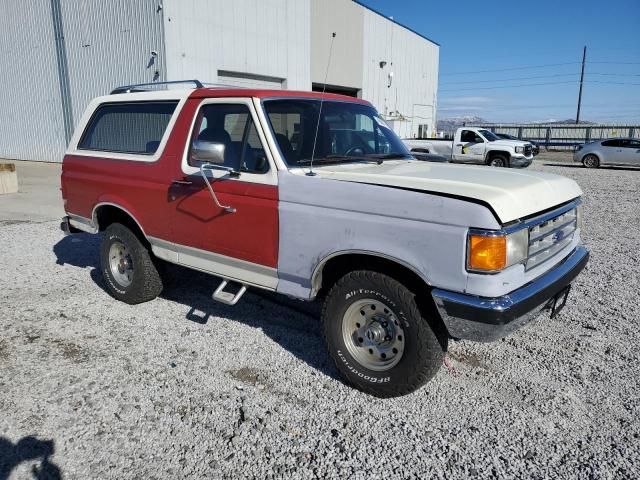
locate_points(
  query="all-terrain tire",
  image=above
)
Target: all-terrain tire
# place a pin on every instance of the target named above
(424, 350)
(145, 283)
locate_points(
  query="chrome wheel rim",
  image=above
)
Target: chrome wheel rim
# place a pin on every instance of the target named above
(373, 335)
(590, 161)
(120, 264)
(497, 163)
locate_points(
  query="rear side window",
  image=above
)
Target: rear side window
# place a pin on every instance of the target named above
(136, 127)
(611, 143)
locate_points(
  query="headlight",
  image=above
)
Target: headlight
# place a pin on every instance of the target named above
(489, 251)
(519, 149)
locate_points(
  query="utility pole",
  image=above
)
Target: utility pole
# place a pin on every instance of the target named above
(584, 57)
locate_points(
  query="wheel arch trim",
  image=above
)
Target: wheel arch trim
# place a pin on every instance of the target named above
(94, 215)
(316, 276)
(492, 153)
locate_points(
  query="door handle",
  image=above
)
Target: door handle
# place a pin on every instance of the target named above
(182, 182)
(458, 144)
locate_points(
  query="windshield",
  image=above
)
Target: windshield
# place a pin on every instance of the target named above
(489, 135)
(348, 132)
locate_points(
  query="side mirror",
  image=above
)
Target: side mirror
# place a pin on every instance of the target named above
(207, 152)
(478, 140)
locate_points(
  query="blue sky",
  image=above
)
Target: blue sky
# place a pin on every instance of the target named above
(500, 35)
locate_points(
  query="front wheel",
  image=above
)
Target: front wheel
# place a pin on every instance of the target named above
(498, 161)
(377, 336)
(127, 266)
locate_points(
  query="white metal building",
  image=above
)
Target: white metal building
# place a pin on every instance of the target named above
(58, 54)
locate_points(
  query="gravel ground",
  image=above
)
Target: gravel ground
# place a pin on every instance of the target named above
(185, 387)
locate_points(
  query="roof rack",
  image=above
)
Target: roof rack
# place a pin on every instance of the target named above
(224, 85)
(139, 86)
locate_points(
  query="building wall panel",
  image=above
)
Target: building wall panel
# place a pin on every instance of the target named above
(411, 99)
(346, 19)
(31, 123)
(269, 38)
(109, 43)
(104, 43)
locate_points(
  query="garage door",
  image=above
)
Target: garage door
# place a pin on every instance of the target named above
(247, 80)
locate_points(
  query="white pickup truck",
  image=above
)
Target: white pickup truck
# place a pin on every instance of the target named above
(477, 145)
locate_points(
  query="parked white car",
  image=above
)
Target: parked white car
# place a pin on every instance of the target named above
(613, 151)
(479, 146)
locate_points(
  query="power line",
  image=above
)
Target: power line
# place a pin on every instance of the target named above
(509, 86)
(542, 76)
(535, 85)
(619, 63)
(527, 67)
(613, 83)
(615, 74)
(513, 78)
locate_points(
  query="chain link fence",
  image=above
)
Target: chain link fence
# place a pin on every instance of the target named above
(562, 136)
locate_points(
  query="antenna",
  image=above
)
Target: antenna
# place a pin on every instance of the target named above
(311, 173)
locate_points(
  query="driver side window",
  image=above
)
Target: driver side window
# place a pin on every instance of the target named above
(468, 136)
(232, 126)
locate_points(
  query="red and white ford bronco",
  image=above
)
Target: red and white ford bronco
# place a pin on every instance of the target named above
(313, 195)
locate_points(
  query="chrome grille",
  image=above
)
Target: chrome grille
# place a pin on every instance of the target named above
(548, 238)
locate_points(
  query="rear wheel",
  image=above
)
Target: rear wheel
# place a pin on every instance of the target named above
(377, 336)
(591, 161)
(127, 266)
(498, 161)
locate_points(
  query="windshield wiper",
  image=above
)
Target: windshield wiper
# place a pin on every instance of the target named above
(338, 159)
(391, 156)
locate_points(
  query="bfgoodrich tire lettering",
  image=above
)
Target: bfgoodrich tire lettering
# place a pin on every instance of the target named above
(142, 281)
(423, 351)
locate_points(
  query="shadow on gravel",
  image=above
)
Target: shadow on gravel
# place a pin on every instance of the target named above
(80, 250)
(603, 167)
(27, 449)
(292, 324)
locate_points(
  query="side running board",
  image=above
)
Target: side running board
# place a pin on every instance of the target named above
(228, 298)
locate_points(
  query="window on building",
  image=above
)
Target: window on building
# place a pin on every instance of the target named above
(136, 127)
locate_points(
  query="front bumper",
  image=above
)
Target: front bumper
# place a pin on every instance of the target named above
(487, 319)
(520, 161)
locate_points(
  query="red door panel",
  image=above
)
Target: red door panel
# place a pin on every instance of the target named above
(250, 233)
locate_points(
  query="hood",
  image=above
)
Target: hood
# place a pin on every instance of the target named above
(512, 194)
(503, 142)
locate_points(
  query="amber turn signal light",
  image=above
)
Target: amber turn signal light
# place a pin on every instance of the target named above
(487, 253)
